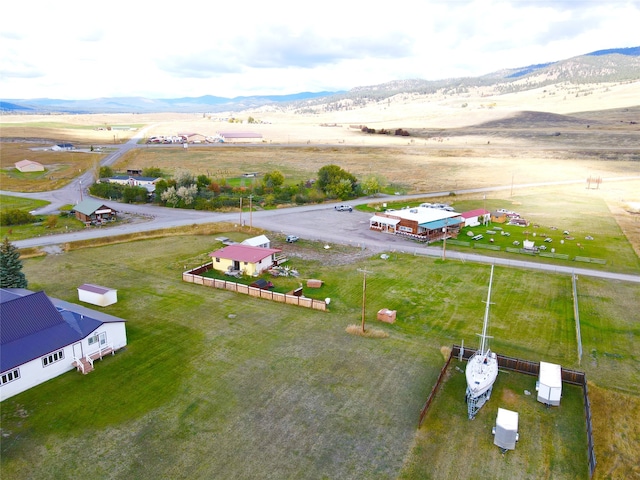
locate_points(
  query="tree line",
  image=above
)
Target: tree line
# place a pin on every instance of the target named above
(200, 192)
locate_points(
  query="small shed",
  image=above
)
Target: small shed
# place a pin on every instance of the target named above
(549, 385)
(506, 430)
(259, 241)
(386, 315)
(97, 295)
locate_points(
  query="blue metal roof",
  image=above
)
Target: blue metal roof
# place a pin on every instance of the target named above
(439, 224)
(32, 326)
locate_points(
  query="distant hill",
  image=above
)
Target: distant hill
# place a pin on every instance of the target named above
(603, 66)
(611, 65)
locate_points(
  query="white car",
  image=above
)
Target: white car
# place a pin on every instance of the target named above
(344, 208)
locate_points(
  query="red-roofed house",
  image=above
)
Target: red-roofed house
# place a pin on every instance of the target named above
(473, 218)
(247, 259)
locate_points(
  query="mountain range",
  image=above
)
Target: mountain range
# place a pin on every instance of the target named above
(610, 65)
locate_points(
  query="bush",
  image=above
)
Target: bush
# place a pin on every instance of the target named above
(15, 216)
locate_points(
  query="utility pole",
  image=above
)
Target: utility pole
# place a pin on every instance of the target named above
(240, 212)
(444, 241)
(364, 293)
(250, 212)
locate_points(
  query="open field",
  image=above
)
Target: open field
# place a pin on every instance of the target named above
(217, 385)
(59, 167)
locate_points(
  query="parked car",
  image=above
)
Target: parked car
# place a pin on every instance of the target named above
(292, 238)
(344, 208)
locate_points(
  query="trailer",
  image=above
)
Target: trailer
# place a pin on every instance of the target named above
(549, 384)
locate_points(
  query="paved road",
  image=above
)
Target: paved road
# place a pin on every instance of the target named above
(313, 222)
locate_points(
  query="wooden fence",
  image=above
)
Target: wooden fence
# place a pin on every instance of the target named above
(527, 367)
(193, 276)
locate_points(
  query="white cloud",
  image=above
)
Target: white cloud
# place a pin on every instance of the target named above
(146, 48)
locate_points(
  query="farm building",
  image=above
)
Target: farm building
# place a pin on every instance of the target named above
(92, 211)
(43, 337)
(245, 259)
(193, 137)
(421, 223)
(473, 218)
(29, 166)
(259, 241)
(549, 384)
(239, 136)
(498, 217)
(97, 295)
(62, 146)
(506, 430)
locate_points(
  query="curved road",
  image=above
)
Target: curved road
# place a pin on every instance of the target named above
(313, 222)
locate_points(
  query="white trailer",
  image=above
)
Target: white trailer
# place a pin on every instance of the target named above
(549, 385)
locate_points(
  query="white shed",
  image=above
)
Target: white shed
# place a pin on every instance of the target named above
(259, 241)
(97, 295)
(549, 385)
(506, 430)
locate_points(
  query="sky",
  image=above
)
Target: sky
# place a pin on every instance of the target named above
(83, 49)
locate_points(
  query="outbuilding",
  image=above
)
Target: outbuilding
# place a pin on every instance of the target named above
(476, 217)
(29, 166)
(97, 295)
(506, 430)
(549, 385)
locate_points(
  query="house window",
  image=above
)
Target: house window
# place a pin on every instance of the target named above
(218, 259)
(100, 338)
(10, 376)
(52, 358)
(405, 229)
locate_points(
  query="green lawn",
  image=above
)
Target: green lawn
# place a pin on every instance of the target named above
(219, 385)
(9, 202)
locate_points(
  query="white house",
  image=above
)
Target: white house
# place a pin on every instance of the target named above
(43, 337)
(549, 384)
(97, 295)
(133, 181)
(473, 218)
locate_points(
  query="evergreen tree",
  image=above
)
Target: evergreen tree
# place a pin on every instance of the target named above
(11, 275)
